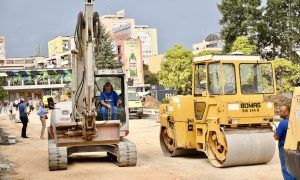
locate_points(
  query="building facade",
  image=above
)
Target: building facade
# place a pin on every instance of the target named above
(111, 22)
(212, 42)
(26, 62)
(129, 52)
(120, 25)
(148, 37)
(2, 50)
(60, 44)
(155, 62)
(63, 60)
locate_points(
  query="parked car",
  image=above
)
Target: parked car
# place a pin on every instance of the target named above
(135, 105)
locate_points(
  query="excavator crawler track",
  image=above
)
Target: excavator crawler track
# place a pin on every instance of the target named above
(58, 157)
(125, 154)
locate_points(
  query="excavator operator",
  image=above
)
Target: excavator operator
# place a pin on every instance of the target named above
(109, 101)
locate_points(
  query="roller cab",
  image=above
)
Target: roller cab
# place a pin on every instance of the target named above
(226, 116)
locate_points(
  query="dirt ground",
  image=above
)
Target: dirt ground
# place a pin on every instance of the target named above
(30, 159)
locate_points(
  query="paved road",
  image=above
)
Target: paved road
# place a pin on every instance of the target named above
(31, 159)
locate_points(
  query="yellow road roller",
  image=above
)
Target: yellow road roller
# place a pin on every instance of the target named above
(292, 141)
(226, 116)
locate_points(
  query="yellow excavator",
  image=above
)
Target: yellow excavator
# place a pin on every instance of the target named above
(74, 125)
(226, 116)
(292, 141)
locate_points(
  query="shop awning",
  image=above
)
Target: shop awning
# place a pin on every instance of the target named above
(36, 72)
(60, 71)
(51, 72)
(11, 73)
(23, 73)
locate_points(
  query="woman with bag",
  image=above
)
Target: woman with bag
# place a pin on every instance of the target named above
(42, 113)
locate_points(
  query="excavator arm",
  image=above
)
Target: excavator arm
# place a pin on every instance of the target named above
(83, 80)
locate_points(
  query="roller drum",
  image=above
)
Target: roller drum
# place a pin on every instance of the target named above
(246, 147)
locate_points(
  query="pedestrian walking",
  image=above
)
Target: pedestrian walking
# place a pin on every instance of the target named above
(1, 106)
(280, 134)
(31, 108)
(5, 105)
(42, 113)
(23, 116)
(16, 104)
(10, 107)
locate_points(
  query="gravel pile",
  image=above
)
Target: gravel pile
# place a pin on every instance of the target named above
(6, 168)
(279, 100)
(3, 138)
(150, 102)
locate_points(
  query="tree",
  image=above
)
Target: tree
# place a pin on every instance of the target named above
(3, 94)
(104, 55)
(238, 19)
(282, 26)
(150, 78)
(176, 71)
(209, 52)
(287, 74)
(243, 45)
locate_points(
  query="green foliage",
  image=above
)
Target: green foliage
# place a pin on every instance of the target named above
(287, 74)
(150, 78)
(274, 25)
(176, 71)
(243, 45)
(165, 100)
(238, 16)
(104, 54)
(3, 94)
(282, 26)
(210, 52)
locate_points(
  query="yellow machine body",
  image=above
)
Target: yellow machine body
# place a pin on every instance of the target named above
(292, 141)
(230, 123)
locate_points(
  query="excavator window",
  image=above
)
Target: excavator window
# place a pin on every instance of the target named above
(117, 83)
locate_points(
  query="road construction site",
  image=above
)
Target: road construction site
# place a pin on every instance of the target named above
(28, 158)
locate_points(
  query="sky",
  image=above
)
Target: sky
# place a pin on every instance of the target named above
(28, 24)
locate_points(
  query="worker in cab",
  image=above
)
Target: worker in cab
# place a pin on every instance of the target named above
(109, 101)
(280, 135)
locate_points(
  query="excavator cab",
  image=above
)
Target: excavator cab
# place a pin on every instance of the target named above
(117, 79)
(226, 116)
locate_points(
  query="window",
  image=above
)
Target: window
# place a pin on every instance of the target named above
(229, 79)
(119, 49)
(133, 97)
(200, 79)
(199, 110)
(214, 78)
(256, 78)
(115, 82)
